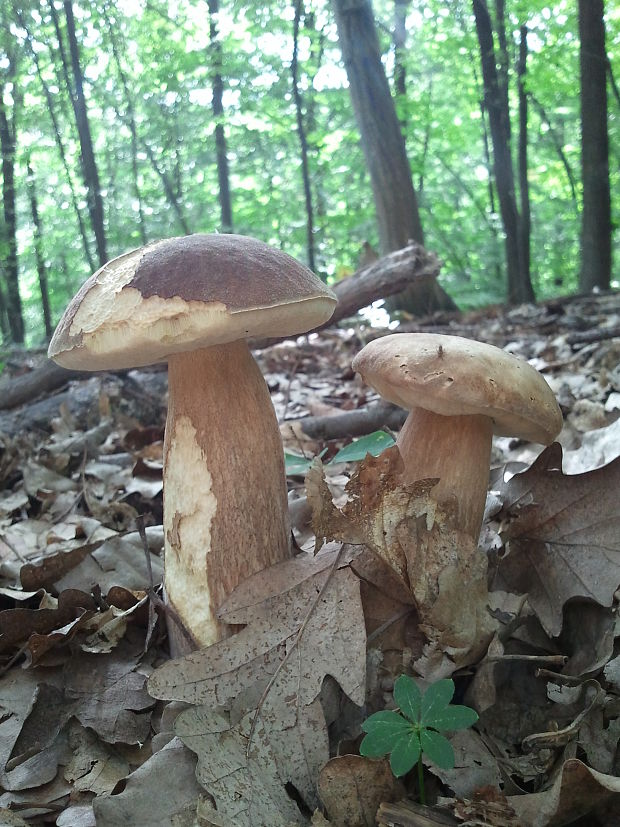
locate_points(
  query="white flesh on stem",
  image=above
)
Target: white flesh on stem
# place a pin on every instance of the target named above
(457, 449)
(225, 500)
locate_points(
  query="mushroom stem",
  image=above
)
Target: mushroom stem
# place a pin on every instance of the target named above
(225, 502)
(457, 449)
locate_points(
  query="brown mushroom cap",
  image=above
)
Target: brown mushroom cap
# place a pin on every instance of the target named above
(453, 376)
(184, 294)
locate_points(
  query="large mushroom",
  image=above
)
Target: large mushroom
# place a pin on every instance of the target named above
(458, 393)
(193, 301)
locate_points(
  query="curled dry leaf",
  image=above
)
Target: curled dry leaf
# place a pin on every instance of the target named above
(352, 788)
(576, 791)
(145, 800)
(16, 625)
(442, 569)
(563, 536)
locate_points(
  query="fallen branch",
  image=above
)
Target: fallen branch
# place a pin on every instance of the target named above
(353, 423)
(47, 377)
(384, 277)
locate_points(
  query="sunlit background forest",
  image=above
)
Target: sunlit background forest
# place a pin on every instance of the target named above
(125, 121)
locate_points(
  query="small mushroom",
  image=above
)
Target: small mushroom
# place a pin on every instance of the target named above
(193, 301)
(459, 393)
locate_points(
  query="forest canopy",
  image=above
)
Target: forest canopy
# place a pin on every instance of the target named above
(125, 121)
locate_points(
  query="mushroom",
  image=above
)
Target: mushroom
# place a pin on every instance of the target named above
(459, 393)
(193, 301)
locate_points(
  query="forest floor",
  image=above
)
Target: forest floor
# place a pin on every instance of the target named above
(95, 722)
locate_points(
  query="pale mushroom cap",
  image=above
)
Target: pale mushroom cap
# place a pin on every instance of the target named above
(453, 376)
(184, 294)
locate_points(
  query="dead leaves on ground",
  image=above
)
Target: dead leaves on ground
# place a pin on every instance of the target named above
(261, 717)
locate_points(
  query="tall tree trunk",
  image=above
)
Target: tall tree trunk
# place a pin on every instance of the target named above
(9, 241)
(519, 284)
(558, 145)
(169, 190)
(596, 217)
(5, 329)
(221, 149)
(130, 120)
(395, 201)
(38, 251)
(399, 38)
(57, 137)
(303, 142)
(525, 223)
(87, 155)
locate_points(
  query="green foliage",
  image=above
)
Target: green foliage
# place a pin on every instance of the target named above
(415, 730)
(354, 452)
(150, 62)
(372, 443)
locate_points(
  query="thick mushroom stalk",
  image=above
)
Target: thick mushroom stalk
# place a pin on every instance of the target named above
(455, 449)
(225, 502)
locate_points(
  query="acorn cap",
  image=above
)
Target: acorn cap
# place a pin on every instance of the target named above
(183, 294)
(453, 376)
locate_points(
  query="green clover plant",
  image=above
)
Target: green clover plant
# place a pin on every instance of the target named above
(415, 730)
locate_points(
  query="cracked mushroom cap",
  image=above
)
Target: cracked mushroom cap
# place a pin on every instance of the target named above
(183, 294)
(453, 376)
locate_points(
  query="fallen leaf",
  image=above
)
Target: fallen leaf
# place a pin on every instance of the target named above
(562, 535)
(273, 671)
(240, 774)
(351, 789)
(576, 791)
(145, 801)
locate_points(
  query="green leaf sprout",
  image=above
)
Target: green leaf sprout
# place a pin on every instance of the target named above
(415, 730)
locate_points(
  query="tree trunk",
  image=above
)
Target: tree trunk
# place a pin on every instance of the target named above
(78, 101)
(399, 38)
(596, 217)
(303, 142)
(395, 201)
(5, 330)
(131, 121)
(57, 137)
(519, 285)
(221, 149)
(171, 196)
(38, 251)
(11, 266)
(525, 223)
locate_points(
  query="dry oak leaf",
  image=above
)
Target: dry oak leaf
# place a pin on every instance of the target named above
(562, 536)
(576, 791)
(273, 671)
(145, 801)
(240, 774)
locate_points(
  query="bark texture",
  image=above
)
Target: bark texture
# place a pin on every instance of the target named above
(396, 205)
(495, 97)
(221, 149)
(303, 140)
(596, 216)
(9, 266)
